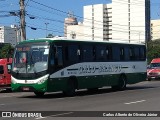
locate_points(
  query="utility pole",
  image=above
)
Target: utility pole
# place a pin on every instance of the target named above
(46, 28)
(22, 20)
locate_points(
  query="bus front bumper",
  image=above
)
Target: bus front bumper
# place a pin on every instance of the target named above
(39, 84)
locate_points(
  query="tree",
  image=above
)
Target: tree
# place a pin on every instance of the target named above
(153, 50)
(6, 51)
(50, 36)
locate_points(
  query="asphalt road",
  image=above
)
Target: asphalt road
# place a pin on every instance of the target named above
(144, 96)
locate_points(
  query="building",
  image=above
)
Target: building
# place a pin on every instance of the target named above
(76, 31)
(98, 22)
(120, 21)
(155, 29)
(70, 20)
(131, 20)
(8, 35)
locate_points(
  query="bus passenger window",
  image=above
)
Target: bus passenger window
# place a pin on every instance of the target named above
(142, 54)
(58, 56)
(109, 53)
(78, 52)
(131, 53)
(87, 53)
(52, 58)
(100, 53)
(73, 53)
(121, 53)
(137, 53)
(116, 53)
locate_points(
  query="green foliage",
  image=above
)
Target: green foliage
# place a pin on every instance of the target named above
(6, 51)
(153, 50)
(50, 36)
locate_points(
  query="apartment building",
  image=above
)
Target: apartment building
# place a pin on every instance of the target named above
(8, 35)
(155, 29)
(131, 21)
(96, 25)
(119, 21)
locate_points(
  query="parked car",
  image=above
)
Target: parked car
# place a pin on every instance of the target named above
(153, 70)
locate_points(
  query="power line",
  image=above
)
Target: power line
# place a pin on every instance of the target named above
(98, 22)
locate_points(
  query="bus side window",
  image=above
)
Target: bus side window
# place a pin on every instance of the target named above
(126, 51)
(73, 53)
(52, 57)
(109, 53)
(137, 53)
(116, 53)
(58, 56)
(132, 53)
(87, 53)
(122, 53)
(100, 53)
(142, 53)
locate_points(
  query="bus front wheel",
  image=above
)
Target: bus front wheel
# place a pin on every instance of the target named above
(121, 83)
(70, 90)
(39, 94)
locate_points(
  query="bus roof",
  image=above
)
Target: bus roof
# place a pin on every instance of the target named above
(56, 39)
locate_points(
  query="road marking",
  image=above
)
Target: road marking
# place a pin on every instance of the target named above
(135, 102)
(55, 115)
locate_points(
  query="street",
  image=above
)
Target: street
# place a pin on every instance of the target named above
(143, 96)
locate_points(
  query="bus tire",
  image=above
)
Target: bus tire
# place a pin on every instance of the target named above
(92, 90)
(71, 86)
(121, 83)
(8, 90)
(39, 94)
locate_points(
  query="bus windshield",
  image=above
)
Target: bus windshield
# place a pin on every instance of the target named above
(30, 58)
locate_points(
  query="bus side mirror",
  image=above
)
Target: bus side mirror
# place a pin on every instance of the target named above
(9, 66)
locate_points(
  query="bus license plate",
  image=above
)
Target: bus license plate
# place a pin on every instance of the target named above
(26, 88)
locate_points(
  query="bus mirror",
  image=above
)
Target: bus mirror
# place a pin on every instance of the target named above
(9, 68)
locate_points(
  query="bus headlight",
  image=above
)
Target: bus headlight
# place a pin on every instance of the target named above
(13, 80)
(43, 79)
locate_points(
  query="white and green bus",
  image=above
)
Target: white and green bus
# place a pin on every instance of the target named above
(50, 65)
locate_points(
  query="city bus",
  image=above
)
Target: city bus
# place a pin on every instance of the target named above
(50, 65)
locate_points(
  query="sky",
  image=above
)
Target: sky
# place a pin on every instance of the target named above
(50, 14)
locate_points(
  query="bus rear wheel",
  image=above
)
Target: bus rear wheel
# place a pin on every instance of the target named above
(121, 83)
(39, 94)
